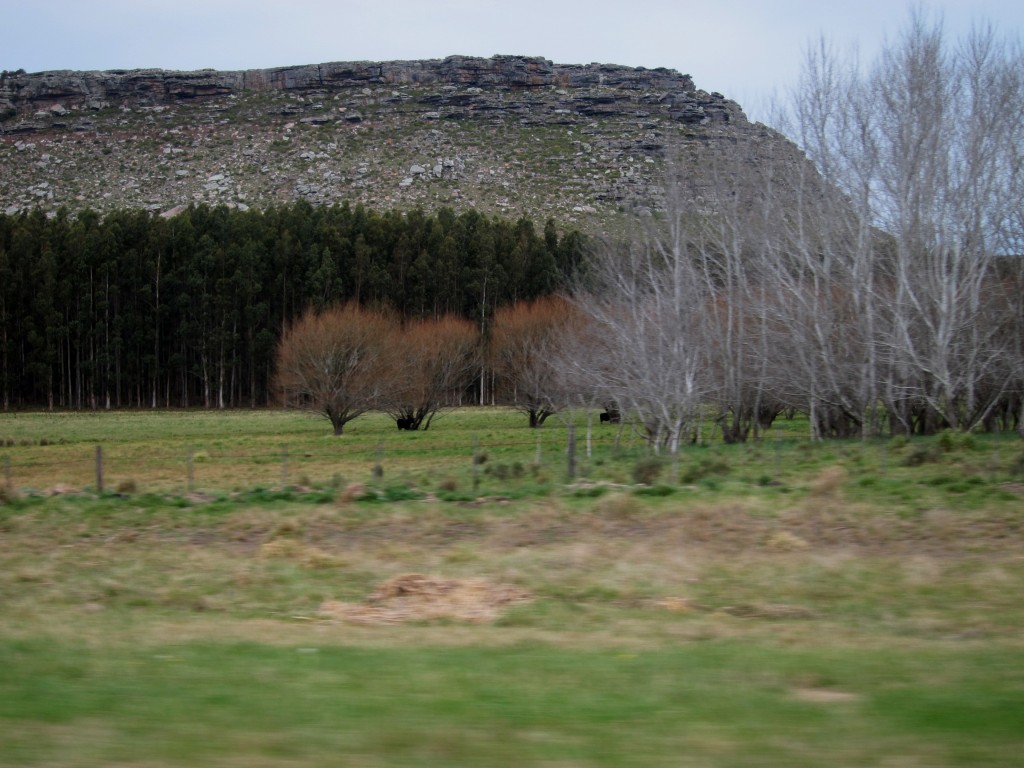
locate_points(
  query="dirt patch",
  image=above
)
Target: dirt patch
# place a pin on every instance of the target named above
(824, 695)
(415, 597)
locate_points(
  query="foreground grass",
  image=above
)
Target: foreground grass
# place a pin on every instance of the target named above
(729, 704)
(141, 631)
(772, 604)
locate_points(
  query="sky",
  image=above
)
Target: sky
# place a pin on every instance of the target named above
(749, 50)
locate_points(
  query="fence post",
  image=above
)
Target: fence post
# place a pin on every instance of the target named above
(537, 457)
(590, 432)
(8, 481)
(476, 463)
(191, 471)
(284, 467)
(378, 468)
(99, 469)
(570, 452)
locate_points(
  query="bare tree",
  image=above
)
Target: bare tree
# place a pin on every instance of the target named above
(645, 302)
(431, 362)
(335, 363)
(946, 120)
(888, 282)
(729, 244)
(525, 348)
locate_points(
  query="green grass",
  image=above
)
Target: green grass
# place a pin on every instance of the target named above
(238, 450)
(729, 704)
(774, 603)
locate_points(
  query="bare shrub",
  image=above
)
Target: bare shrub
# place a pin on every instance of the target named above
(431, 362)
(526, 347)
(922, 454)
(335, 362)
(647, 470)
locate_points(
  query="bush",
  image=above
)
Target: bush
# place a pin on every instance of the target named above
(590, 492)
(505, 471)
(455, 496)
(1016, 467)
(950, 440)
(922, 454)
(655, 490)
(647, 470)
(898, 443)
(400, 493)
(501, 471)
(706, 467)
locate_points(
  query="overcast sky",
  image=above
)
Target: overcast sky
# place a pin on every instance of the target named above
(746, 49)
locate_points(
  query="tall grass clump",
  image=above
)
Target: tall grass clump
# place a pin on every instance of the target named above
(647, 470)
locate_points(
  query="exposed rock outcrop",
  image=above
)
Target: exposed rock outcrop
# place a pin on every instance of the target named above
(508, 134)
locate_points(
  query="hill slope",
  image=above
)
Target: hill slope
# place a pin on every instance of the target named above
(509, 135)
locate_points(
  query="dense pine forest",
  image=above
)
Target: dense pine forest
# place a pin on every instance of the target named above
(134, 309)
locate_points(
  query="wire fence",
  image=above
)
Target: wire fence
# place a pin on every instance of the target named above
(557, 452)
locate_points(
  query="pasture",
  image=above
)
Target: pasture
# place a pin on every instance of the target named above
(773, 603)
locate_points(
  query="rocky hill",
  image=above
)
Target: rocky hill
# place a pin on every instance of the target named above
(509, 135)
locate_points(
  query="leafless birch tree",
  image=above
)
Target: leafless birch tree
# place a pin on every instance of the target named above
(645, 303)
(921, 146)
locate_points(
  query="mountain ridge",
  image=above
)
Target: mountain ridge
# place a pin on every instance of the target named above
(513, 135)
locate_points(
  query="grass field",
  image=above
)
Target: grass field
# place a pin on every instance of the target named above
(779, 603)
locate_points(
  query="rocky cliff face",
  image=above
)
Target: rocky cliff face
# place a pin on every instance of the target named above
(507, 134)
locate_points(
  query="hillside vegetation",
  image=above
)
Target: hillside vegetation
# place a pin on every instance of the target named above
(509, 135)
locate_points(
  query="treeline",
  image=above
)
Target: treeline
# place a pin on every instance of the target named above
(875, 283)
(133, 309)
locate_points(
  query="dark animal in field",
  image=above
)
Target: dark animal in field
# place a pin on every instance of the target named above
(610, 417)
(406, 423)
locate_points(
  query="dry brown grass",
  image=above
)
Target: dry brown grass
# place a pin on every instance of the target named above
(828, 484)
(415, 597)
(619, 572)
